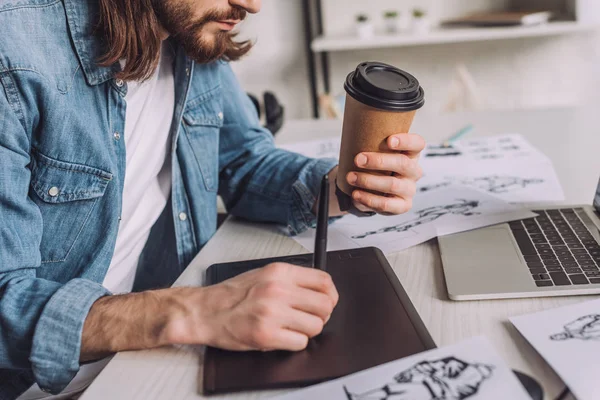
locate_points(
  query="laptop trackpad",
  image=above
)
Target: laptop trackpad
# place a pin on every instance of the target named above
(484, 261)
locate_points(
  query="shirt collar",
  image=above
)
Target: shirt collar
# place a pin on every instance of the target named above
(82, 16)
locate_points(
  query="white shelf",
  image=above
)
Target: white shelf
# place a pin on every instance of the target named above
(438, 36)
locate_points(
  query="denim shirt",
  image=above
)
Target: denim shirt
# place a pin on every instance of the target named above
(62, 168)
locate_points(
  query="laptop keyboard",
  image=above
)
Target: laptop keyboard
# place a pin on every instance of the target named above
(558, 247)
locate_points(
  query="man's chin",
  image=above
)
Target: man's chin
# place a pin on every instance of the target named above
(206, 51)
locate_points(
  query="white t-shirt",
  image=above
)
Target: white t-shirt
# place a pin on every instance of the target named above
(147, 187)
(146, 191)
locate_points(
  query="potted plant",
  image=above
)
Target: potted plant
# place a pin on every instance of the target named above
(391, 18)
(396, 22)
(420, 21)
(364, 27)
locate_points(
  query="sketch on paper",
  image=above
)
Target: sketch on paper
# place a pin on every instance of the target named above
(502, 147)
(584, 328)
(445, 211)
(568, 338)
(442, 151)
(329, 149)
(446, 379)
(468, 370)
(321, 148)
(507, 166)
(460, 207)
(494, 183)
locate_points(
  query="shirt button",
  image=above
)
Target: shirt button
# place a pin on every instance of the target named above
(119, 82)
(182, 216)
(187, 71)
(117, 135)
(53, 191)
(220, 115)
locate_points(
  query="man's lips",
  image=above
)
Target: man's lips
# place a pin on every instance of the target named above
(228, 24)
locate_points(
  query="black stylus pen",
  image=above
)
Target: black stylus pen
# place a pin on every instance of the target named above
(320, 255)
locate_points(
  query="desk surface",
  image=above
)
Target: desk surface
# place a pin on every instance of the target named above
(567, 136)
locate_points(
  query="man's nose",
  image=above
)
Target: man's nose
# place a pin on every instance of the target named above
(252, 6)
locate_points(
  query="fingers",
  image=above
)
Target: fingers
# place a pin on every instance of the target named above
(315, 279)
(318, 284)
(401, 164)
(287, 306)
(410, 144)
(279, 327)
(311, 302)
(282, 339)
(381, 204)
(301, 322)
(362, 207)
(393, 185)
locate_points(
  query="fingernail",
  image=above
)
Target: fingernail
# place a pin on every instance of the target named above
(356, 195)
(361, 160)
(394, 142)
(352, 178)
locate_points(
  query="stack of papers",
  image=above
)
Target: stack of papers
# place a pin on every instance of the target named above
(569, 340)
(470, 370)
(466, 186)
(443, 212)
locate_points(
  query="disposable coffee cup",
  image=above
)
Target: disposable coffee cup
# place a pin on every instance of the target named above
(381, 100)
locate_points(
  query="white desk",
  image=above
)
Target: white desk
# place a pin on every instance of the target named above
(568, 136)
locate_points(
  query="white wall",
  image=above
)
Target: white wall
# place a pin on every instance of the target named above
(278, 60)
(523, 73)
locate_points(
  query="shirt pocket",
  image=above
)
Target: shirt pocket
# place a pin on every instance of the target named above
(66, 194)
(202, 123)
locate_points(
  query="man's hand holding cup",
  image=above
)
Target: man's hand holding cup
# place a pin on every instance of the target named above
(388, 194)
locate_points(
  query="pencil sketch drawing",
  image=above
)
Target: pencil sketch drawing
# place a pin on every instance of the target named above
(461, 207)
(328, 149)
(584, 328)
(494, 183)
(445, 379)
(442, 151)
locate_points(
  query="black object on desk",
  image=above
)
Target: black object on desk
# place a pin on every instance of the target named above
(531, 386)
(320, 256)
(373, 323)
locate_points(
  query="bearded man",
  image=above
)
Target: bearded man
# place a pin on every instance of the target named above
(120, 123)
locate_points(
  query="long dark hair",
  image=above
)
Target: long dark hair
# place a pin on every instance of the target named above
(131, 30)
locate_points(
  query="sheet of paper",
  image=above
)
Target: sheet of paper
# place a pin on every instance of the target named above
(500, 147)
(470, 370)
(515, 182)
(445, 211)
(569, 340)
(506, 166)
(321, 148)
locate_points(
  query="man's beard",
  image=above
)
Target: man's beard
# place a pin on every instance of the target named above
(176, 16)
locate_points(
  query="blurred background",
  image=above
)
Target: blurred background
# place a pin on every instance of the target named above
(547, 55)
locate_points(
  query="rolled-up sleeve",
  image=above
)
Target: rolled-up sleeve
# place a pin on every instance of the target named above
(40, 320)
(257, 180)
(56, 343)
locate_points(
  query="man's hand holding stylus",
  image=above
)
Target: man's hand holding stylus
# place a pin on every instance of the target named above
(278, 307)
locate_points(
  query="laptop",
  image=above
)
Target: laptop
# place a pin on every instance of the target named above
(556, 253)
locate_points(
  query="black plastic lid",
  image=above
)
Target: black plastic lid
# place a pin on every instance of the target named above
(385, 87)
